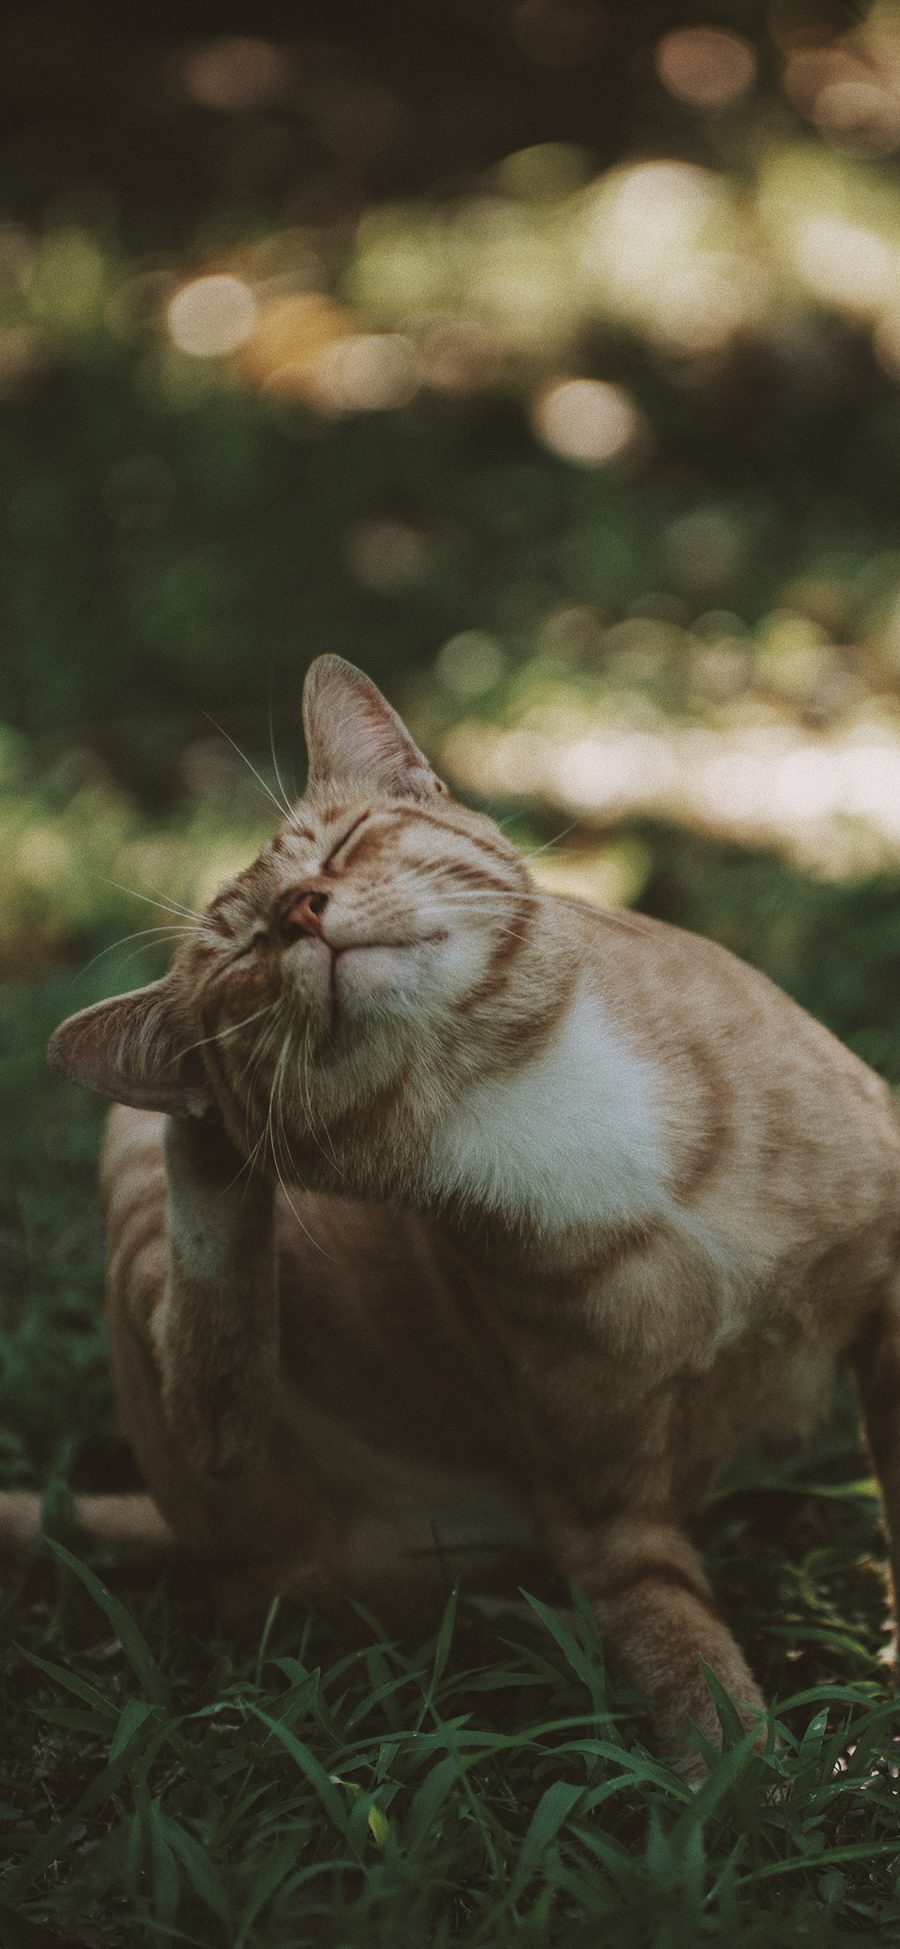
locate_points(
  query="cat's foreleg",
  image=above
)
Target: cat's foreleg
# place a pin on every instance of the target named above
(216, 1330)
(657, 1615)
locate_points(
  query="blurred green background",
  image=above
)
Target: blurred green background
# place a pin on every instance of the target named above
(541, 356)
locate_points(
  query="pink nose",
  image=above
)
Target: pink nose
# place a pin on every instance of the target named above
(300, 912)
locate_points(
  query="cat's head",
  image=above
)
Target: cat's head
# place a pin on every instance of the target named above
(381, 923)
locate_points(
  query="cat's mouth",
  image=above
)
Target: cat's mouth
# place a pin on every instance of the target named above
(408, 941)
(365, 967)
(355, 970)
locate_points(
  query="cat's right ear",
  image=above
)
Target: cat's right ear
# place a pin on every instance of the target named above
(134, 1049)
(352, 732)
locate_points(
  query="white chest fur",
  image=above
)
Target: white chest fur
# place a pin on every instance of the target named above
(575, 1136)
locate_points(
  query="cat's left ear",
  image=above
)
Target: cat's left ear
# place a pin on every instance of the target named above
(134, 1049)
(352, 732)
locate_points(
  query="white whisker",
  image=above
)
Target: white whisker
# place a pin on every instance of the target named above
(278, 780)
(332, 1159)
(550, 843)
(169, 933)
(247, 1165)
(275, 1093)
(220, 1034)
(253, 1065)
(250, 766)
(157, 899)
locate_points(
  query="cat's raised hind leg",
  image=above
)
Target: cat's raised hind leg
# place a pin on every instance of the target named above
(218, 1326)
(192, 1274)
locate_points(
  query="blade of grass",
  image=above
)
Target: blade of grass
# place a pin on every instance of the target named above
(134, 1645)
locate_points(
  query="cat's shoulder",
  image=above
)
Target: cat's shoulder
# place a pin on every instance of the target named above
(625, 933)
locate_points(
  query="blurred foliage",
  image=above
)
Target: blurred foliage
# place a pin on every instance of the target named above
(836, 949)
(384, 331)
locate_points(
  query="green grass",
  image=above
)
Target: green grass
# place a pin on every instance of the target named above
(303, 1781)
(482, 1787)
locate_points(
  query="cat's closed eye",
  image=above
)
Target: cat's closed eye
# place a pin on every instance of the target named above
(247, 947)
(341, 843)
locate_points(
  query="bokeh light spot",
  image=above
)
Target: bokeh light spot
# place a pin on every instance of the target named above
(858, 117)
(22, 352)
(387, 556)
(644, 221)
(845, 263)
(706, 67)
(470, 663)
(701, 305)
(66, 284)
(291, 331)
(545, 172)
(587, 420)
(459, 354)
(365, 372)
(234, 74)
(212, 316)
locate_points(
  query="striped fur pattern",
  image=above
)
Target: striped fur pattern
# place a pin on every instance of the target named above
(452, 1224)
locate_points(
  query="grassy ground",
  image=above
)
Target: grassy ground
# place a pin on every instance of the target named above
(163, 1780)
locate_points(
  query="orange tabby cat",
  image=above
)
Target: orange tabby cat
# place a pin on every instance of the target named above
(578, 1203)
